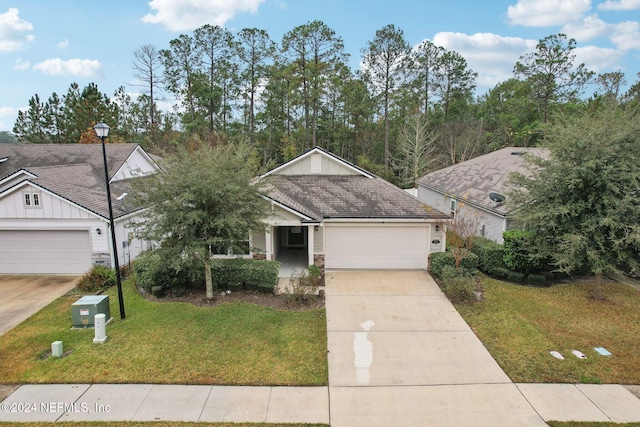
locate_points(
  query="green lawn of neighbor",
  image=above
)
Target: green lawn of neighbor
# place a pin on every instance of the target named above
(520, 325)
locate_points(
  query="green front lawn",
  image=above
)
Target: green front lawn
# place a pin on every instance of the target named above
(520, 325)
(172, 343)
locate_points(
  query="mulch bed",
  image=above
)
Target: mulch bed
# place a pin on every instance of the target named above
(282, 302)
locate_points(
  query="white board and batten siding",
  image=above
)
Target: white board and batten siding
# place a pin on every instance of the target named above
(137, 164)
(316, 164)
(376, 246)
(55, 237)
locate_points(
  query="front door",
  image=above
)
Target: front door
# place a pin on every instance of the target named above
(296, 237)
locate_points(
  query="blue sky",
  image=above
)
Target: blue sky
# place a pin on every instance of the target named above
(46, 45)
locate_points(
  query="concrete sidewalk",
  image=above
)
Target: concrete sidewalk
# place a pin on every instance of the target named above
(148, 402)
(476, 405)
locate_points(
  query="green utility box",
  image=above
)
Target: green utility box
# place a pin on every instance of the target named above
(84, 310)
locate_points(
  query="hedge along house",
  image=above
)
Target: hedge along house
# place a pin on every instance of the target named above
(54, 216)
(331, 213)
(476, 188)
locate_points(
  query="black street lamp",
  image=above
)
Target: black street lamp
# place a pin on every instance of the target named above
(102, 131)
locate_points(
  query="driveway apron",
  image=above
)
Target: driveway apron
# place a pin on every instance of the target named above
(400, 354)
(22, 296)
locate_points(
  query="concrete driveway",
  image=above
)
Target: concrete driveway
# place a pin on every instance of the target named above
(22, 296)
(400, 354)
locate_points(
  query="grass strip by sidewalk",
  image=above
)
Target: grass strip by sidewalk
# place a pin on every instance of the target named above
(520, 325)
(170, 343)
(589, 424)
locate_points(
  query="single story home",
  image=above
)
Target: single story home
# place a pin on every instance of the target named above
(476, 188)
(54, 216)
(329, 212)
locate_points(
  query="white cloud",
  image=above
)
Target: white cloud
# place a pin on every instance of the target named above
(599, 59)
(490, 55)
(626, 35)
(620, 5)
(14, 31)
(21, 65)
(588, 28)
(7, 117)
(186, 15)
(63, 44)
(7, 111)
(71, 67)
(544, 13)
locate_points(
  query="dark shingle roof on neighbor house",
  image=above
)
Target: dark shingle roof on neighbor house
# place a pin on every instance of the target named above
(473, 180)
(72, 171)
(320, 197)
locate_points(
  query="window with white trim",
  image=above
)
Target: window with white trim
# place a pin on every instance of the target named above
(31, 200)
(453, 207)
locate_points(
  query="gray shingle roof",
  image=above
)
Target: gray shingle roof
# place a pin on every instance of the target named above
(346, 196)
(474, 179)
(26, 156)
(72, 171)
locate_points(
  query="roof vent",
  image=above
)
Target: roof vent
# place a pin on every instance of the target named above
(517, 153)
(497, 197)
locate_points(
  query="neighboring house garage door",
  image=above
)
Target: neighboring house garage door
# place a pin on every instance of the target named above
(45, 252)
(384, 246)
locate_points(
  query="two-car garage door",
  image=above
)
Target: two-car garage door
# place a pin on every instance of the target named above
(45, 252)
(380, 246)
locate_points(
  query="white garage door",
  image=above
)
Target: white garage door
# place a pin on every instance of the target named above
(45, 252)
(385, 246)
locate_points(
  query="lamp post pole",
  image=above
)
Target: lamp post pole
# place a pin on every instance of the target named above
(102, 130)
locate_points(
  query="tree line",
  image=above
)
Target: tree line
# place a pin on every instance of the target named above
(405, 112)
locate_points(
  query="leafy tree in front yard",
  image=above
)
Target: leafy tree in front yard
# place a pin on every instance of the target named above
(581, 203)
(205, 199)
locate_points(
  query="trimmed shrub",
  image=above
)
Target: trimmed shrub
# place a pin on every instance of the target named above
(158, 268)
(470, 262)
(490, 254)
(234, 274)
(515, 276)
(440, 260)
(499, 273)
(536, 279)
(97, 279)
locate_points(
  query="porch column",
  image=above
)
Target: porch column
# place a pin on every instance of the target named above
(310, 236)
(268, 242)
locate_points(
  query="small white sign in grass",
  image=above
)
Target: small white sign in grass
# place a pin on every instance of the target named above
(602, 351)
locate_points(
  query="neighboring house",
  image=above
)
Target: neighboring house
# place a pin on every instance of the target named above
(329, 212)
(476, 188)
(54, 216)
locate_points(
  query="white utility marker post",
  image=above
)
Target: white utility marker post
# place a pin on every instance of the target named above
(56, 349)
(101, 328)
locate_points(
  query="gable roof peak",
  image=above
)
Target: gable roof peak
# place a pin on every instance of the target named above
(325, 153)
